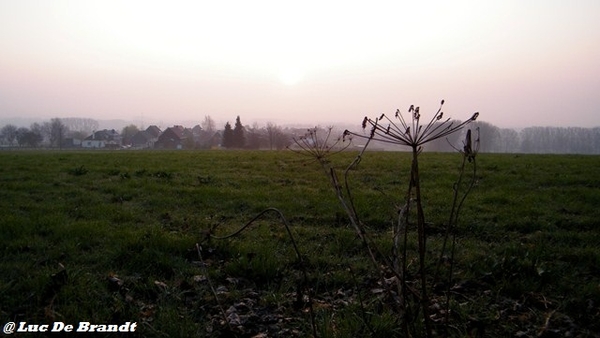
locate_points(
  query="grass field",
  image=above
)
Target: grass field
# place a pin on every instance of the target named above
(110, 237)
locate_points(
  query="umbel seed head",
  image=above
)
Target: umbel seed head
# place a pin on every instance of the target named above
(415, 134)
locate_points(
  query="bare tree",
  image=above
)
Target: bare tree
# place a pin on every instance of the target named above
(82, 125)
(491, 138)
(38, 129)
(57, 132)
(208, 125)
(8, 133)
(254, 136)
(29, 137)
(272, 131)
(510, 141)
(276, 137)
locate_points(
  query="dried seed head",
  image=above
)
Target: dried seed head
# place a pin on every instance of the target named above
(468, 138)
(474, 117)
(388, 129)
(407, 130)
(364, 122)
(412, 107)
(442, 103)
(382, 115)
(345, 135)
(440, 115)
(468, 148)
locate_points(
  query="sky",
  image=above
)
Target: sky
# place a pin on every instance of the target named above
(518, 63)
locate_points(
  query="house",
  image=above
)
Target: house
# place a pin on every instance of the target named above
(103, 139)
(141, 140)
(71, 142)
(146, 138)
(154, 131)
(211, 140)
(172, 138)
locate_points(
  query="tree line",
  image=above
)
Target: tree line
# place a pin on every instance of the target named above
(557, 140)
(50, 133)
(271, 136)
(541, 140)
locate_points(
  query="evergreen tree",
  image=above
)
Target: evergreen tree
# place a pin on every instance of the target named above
(228, 140)
(239, 140)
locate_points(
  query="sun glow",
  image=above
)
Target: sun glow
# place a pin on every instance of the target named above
(290, 76)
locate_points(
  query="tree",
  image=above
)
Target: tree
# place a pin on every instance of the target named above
(510, 141)
(21, 135)
(56, 132)
(272, 130)
(27, 137)
(239, 140)
(9, 133)
(128, 132)
(228, 140)
(282, 140)
(208, 125)
(84, 126)
(276, 137)
(254, 137)
(37, 129)
(490, 137)
(206, 136)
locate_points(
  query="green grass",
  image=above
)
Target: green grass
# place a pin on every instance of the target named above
(527, 245)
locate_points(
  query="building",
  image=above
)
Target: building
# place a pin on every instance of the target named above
(145, 139)
(103, 139)
(172, 138)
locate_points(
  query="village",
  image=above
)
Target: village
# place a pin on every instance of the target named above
(175, 137)
(84, 133)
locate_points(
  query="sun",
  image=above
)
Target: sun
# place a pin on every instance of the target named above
(290, 76)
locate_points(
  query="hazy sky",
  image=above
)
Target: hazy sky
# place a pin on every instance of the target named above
(519, 63)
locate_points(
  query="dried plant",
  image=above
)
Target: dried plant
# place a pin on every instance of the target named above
(413, 134)
(314, 145)
(320, 148)
(461, 190)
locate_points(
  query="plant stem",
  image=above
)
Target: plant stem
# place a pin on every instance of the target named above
(422, 240)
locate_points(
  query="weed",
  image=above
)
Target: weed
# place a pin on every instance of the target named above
(415, 136)
(79, 171)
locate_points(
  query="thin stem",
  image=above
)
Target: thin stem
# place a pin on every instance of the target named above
(298, 255)
(214, 292)
(451, 217)
(422, 242)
